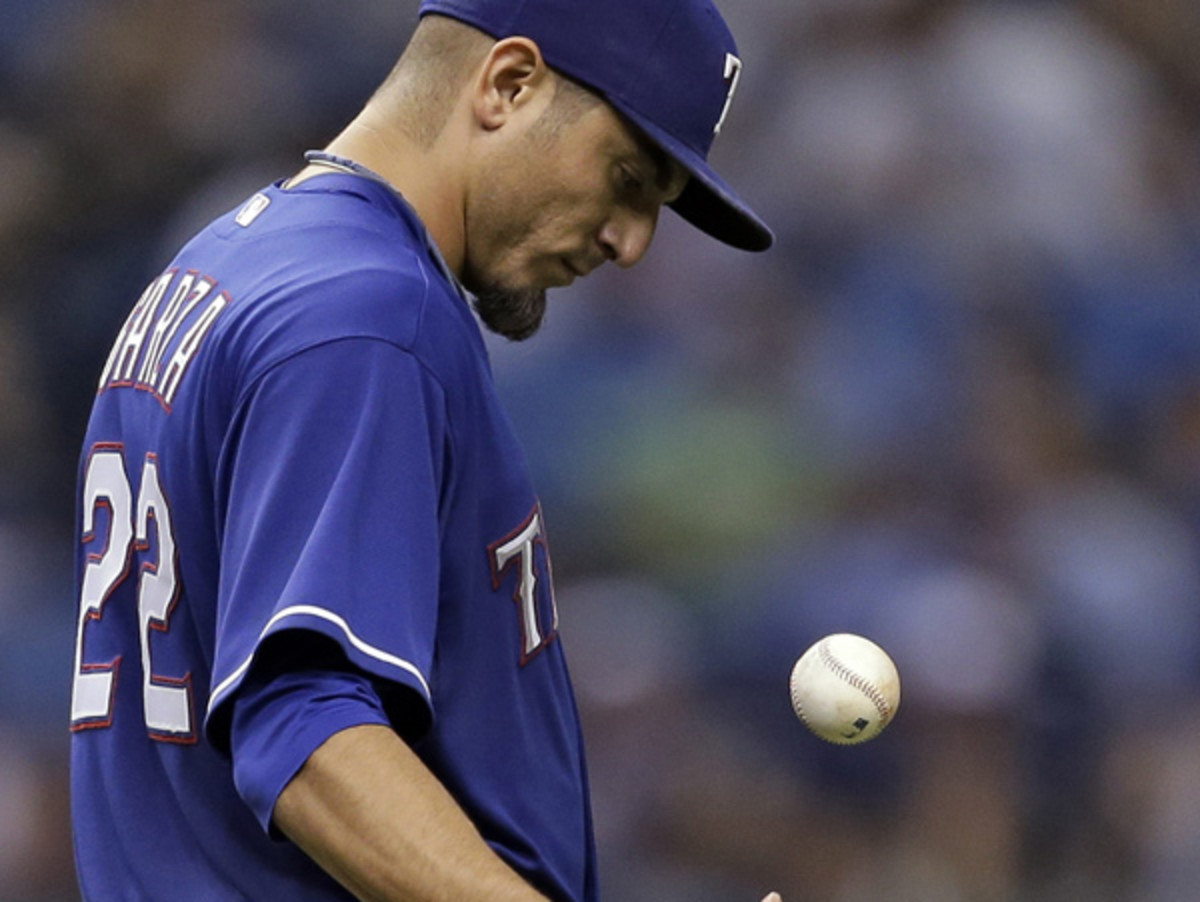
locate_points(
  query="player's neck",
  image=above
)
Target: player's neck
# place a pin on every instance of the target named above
(426, 180)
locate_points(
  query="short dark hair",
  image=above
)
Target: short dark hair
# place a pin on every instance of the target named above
(429, 74)
(440, 56)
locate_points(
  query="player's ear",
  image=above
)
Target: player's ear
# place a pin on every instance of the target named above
(512, 79)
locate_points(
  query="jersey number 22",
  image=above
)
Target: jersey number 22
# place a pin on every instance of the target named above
(166, 701)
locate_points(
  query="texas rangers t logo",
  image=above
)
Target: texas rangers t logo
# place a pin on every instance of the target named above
(733, 71)
(526, 548)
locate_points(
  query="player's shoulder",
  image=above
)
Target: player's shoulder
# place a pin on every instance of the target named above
(339, 257)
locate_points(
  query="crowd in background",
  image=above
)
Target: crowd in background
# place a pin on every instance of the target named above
(956, 409)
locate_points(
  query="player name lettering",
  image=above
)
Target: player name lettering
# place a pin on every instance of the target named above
(153, 350)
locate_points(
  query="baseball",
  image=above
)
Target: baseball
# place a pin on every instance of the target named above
(845, 688)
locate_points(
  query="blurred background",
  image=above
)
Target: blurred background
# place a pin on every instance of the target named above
(956, 409)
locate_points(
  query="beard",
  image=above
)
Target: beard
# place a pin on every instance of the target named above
(514, 313)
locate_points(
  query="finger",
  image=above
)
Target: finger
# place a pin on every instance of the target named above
(773, 897)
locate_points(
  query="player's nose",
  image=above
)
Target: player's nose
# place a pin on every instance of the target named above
(626, 236)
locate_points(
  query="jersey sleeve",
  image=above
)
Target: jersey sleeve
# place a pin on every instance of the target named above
(279, 720)
(328, 496)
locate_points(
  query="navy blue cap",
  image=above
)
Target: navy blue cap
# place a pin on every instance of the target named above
(669, 66)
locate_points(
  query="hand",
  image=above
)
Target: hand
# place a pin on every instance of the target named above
(773, 897)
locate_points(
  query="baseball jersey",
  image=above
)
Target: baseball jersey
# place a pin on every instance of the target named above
(295, 435)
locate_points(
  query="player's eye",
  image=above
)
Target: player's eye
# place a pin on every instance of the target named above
(631, 183)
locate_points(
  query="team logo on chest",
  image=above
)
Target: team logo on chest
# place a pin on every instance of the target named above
(523, 559)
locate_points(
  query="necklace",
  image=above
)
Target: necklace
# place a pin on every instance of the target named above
(346, 165)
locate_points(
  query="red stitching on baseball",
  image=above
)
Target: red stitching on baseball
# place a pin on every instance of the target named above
(856, 680)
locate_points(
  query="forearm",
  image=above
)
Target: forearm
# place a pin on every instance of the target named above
(367, 810)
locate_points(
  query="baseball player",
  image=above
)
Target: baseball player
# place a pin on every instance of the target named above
(317, 650)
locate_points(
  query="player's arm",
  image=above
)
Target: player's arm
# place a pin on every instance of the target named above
(317, 757)
(366, 809)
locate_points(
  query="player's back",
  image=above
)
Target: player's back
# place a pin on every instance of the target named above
(155, 808)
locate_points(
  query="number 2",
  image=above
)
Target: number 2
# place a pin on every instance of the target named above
(166, 701)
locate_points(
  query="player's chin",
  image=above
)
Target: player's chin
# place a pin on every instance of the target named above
(516, 314)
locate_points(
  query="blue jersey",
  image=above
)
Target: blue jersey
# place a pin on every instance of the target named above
(296, 434)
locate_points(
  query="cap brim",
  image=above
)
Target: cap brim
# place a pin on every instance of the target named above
(707, 202)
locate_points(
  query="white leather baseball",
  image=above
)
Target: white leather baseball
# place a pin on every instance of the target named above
(845, 688)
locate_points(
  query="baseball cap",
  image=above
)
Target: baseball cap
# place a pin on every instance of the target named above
(669, 66)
